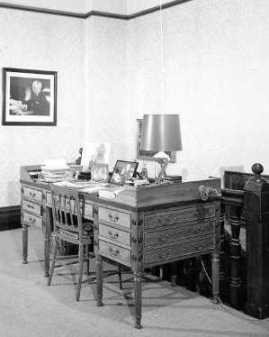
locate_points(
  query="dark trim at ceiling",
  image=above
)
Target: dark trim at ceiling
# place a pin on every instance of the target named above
(42, 10)
(157, 8)
(92, 13)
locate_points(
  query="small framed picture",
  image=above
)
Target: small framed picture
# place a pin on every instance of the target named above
(29, 97)
(123, 170)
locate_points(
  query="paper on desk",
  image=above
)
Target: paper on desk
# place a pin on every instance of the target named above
(111, 193)
(93, 187)
(74, 184)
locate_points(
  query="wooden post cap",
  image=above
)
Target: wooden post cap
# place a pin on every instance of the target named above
(257, 168)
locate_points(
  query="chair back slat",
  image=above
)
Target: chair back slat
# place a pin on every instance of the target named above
(66, 209)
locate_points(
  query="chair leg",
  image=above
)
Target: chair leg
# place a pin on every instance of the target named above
(87, 254)
(120, 278)
(54, 254)
(81, 262)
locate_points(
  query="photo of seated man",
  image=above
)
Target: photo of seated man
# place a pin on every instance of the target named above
(29, 97)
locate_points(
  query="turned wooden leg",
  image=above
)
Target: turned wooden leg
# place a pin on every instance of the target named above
(47, 243)
(87, 254)
(120, 276)
(25, 243)
(80, 273)
(54, 254)
(215, 277)
(138, 299)
(235, 258)
(99, 280)
(173, 274)
(47, 255)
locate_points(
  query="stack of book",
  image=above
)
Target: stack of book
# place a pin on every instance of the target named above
(173, 179)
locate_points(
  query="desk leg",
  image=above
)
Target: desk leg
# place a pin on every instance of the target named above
(24, 243)
(47, 243)
(215, 277)
(99, 280)
(138, 299)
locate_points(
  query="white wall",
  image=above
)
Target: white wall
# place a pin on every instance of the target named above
(139, 5)
(108, 118)
(217, 66)
(46, 42)
(112, 6)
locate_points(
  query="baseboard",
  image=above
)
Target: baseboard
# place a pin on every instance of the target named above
(10, 217)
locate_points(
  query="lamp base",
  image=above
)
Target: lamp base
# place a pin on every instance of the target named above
(162, 175)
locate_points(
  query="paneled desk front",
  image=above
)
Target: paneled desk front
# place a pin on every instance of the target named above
(141, 228)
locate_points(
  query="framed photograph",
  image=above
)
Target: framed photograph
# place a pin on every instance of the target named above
(29, 97)
(123, 170)
(148, 155)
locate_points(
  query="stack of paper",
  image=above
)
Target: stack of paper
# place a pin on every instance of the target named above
(54, 170)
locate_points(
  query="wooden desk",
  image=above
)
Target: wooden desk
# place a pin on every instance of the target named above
(141, 228)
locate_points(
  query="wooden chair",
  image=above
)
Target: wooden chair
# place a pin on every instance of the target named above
(69, 226)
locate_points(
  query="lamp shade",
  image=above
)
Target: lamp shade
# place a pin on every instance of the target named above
(161, 133)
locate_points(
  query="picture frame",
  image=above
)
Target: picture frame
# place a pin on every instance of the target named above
(148, 155)
(29, 97)
(123, 170)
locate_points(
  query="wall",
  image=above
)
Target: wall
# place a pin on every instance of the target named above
(48, 42)
(216, 67)
(216, 62)
(108, 118)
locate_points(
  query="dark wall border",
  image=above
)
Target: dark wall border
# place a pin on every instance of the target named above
(10, 217)
(93, 13)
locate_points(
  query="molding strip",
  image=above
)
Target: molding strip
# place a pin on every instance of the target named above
(43, 10)
(93, 12)
(157, 8)
(10, 217)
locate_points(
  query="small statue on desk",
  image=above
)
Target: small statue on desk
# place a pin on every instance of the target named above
(78, 160)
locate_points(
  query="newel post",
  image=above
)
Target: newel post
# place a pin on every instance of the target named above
(256, 211)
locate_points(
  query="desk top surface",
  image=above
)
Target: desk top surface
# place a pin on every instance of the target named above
(139, 197)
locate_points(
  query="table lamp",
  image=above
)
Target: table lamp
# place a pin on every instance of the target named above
(161, 133)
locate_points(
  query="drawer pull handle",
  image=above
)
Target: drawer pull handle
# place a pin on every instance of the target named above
(32, 194)
(113, 252)
(32, 220)
(30, 206)
(114, 236)
(113, 218)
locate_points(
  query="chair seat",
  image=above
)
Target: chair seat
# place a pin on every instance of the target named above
(73, 237)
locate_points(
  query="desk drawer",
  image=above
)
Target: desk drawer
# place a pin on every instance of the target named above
(32, 194)
(114, 252)
(31, 207)
(181, 250)
(32, 220)
(114, 217)
(115, 235)
(181, 215)
(179, 232)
